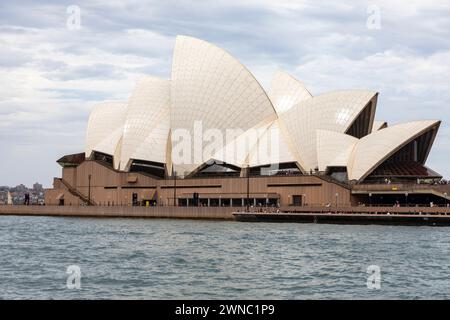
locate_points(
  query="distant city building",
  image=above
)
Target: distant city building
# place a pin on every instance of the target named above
(18, 194)
(37, 187)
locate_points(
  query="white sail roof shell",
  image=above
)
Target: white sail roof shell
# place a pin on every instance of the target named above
(105, 127)
(272, 148)
(286, 91)
(373, 149)
(334, 111)
(147, 122)
(334, 148)
(237, 147)
(211, 86)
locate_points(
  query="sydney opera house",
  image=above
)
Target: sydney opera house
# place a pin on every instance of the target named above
(213, 136)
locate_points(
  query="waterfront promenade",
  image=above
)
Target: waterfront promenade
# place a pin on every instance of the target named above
(319, 214)
(220, 213)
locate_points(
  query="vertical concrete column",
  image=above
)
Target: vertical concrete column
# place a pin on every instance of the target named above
(209, 202)
(187, 202)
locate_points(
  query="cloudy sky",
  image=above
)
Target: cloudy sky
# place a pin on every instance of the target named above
(52, 73)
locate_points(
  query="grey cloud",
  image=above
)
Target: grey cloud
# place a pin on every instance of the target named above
(79, 95)
(50, 65)
(11, 58)
(96, 71)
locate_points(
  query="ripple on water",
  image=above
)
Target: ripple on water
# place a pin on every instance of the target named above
(170, 259)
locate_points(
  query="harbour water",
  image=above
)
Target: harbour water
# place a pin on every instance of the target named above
(192, 259)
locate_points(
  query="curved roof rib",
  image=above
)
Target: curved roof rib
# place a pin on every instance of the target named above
(334, 148)
(334, 111)
(105, 127)
(147, 122)
(211, 86)
(372, 150)
(286, 91)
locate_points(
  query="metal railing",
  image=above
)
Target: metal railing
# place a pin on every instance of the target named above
(77, 193)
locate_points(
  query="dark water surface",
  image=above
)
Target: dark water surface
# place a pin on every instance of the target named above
(186, 259)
